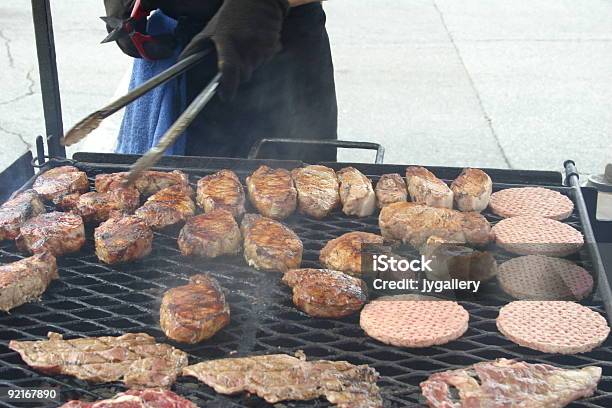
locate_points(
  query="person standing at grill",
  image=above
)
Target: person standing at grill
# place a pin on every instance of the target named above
(277, 81)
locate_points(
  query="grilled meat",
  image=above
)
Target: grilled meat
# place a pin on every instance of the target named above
(472, 190)
(507, 383)
(414, 223)
(272, 192)
(97, 207)
(425, 188)
(57, 232)
(194, 312)
(147, 398)
(26, 280)
(210, 235)
(150, 182)
(134, 358)
(270, 245)
(18, 210)
(55, 183)
(169, 206)
(326, 293)
(344, 253)
(123, 239)
(356, 193)
(390, 189)
(221, 190)
(280, 377)
(317, 188)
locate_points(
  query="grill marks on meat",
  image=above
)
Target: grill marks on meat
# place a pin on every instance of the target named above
(344, 253)
(272, 193)
(509, 383)
(134, 358)
(472, 190)
(96, 207)
(280, 377)
(58, 182)
(221, 190)
(390, 189)
(167, 207)
(210, 235)
(18, 210)
(317, 188)
(123, 240)
(148, 398)
(326, 293)
(150, 182)
(57, 232)
(26, 280)
(356, 193)
(425, 188)
(270, 245)
(194, 312)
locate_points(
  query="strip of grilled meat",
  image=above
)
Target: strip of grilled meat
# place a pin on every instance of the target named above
(318, 190)
(356, 192)
(123, 239)
(57, 232)
(344, 253)
(210, 235)
(147, 398)
(18, 210)
(390, 189)
(58, 182)
(221, 190)
(167, 207)
(150, 182)
(96, 207)
(272, 192)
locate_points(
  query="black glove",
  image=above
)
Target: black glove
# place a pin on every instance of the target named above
(122, 9)
(246, 34)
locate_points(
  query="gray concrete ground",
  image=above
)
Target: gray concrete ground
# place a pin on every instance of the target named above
(521, 84)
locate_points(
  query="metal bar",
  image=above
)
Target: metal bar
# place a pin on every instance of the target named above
(49, 83)
(346, 144)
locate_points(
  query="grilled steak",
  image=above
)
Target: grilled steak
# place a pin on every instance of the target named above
(356, 193)
(390, 189)
(26, 280)
(134, 358)
(425, 188)
(150, 182)
(221, 190)
(194, 312)
(280, 377)
(507, 383)
(472, 190)
(147, 398)
(317, 188)
(210, 235)
(57, 232)
(122, 239)
(18, 210)
(97, 207)
(272, 192)
(270, 245)
(167, 207)
(415, 223)
(344, 253)
(55, 183)
(326, 293)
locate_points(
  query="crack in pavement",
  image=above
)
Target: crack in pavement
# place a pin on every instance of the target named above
(7, 46)
(20, 136)
(29, 92)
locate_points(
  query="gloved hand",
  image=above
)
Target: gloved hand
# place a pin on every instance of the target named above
(122, 9)
(246, 34)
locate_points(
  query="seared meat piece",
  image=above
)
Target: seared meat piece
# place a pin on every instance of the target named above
(280, 377)
(167, 207)
(26, 280)
(123, 239)
(326, 293)
(18, 210)
(356, 193)
(194, 312)
(414, 223)
(97, 207)
(150, 182)
(270, 245)
(390, 189)
(271, 191)
(472, 190)
(508, 383)
(134, 358)
(57, 232)
(344, 253)
(55, 183)
(317, 188)
(425, 188)
(221, 190)
(147, 398)
(210, 235)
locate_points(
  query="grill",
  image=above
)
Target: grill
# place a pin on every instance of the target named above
(93, 299)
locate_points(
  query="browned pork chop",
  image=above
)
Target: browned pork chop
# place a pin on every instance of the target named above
(147, 398)
(472, 190)
(425, 188)
(57, 232)
(169, 206)
(317, 188)
(97, 207)
(390, 189)
(272, 192)
(356, 192)
(221, 190)
(58, 182)
(149, 182)
(210, 235)
(18, 210)
(344, 253)
(123, 239)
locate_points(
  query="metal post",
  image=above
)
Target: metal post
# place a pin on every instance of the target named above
(49, 83)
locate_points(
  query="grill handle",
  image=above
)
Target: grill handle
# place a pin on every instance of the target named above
(346, 144)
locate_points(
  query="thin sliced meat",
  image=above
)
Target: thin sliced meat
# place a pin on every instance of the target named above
(147, 398)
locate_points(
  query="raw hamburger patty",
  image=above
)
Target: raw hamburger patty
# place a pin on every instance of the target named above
(272, 192)
(18, 210)
(58, 182)
(539, 277)
(210, 235)
(529, 235)
(221, 190)
(148, 398)
(405, 322)
(553, 326)
(317, 188)
(57, 232)
(123, 240)
(344, 253)
(536, 201)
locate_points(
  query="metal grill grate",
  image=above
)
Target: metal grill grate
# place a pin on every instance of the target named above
(92, 299)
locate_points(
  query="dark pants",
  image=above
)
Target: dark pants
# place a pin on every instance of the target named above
(291, 96)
